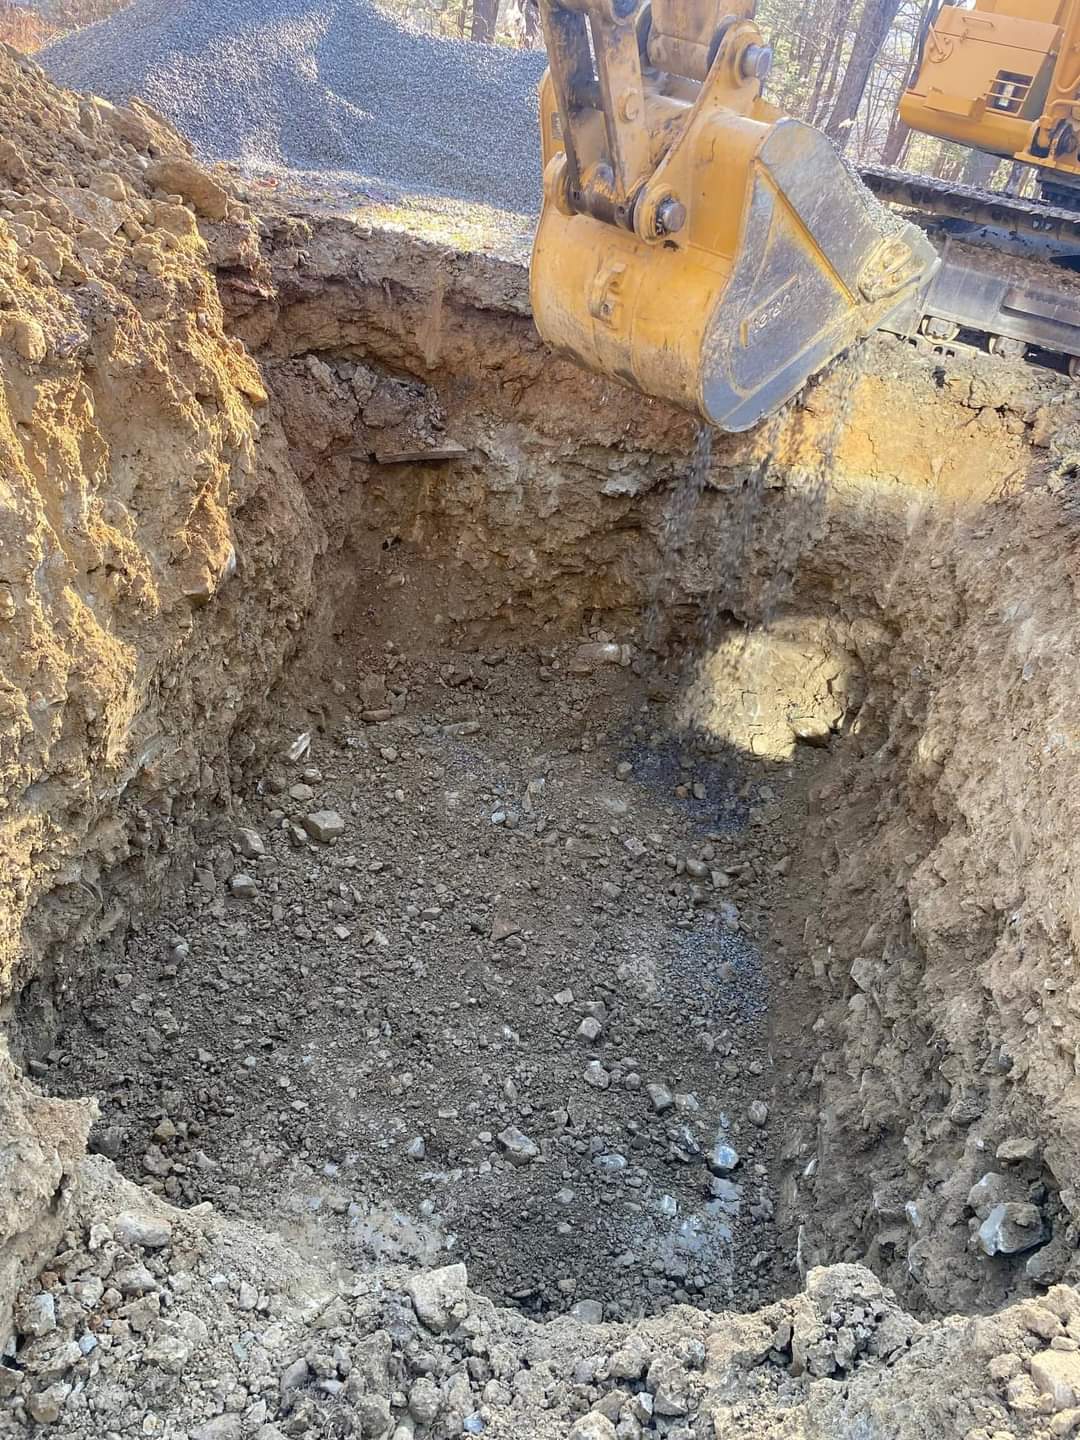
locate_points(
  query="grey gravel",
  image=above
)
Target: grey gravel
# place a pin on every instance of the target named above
(325, 86)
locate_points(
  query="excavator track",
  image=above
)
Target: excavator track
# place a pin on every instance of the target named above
(945, 199)
(1007, 280)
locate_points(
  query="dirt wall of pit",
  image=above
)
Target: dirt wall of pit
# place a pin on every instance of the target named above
(155, 563)
(893, 564)
(208, 436)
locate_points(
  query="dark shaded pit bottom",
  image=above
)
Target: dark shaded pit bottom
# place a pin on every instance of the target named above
(517, 1014)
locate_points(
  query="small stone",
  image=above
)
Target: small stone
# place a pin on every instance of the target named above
(629, 1363)
(87, 1291)
(250, 843)
(177, 176)
(425, 1400)
(324, 825)
(29, 338)
(597, 1076)
(1018, 1148)
(170, 1353)
(416, 1149)
(45, 1405)
(660, 1097)
(590, 1029)
(38, 1316)
(1039, 1320)
(994, 1189)
(222, 1427)
(757, 1112)
(1011, 1228)
(435, 1294)
(301, 793)
(133, 1280)
(811, 730)
(723, 1159)
(146, 1231)
(1057, 1373)
(247, 1297)
(593, 1426)
(1021, 1395)
(243, 886)
(142, 1312)
(516, 1146)
(623, 770)
(590, 657)
(589, 1312)
(668, 1404)
(503, 926)
(293, 1376)
(1048, 1265)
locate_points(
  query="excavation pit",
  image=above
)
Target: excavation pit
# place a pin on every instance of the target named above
(407, 749)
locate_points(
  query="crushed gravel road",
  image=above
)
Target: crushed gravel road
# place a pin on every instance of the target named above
(328, 87)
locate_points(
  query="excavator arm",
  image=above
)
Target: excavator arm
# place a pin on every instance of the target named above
(693, 242)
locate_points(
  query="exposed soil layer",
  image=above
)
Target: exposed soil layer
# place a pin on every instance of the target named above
(290, 476)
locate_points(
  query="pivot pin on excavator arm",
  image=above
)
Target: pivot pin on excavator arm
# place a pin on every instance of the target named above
(693, 242)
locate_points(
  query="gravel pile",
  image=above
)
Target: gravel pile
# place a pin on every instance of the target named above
(325, 86)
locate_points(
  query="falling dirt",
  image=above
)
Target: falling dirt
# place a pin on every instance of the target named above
(549, 924)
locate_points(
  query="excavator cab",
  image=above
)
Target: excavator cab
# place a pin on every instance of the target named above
(693, 242)
(1003, 77)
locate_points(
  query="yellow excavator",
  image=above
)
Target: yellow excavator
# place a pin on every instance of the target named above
(699, 245)
(1004, 77)
(693, 242)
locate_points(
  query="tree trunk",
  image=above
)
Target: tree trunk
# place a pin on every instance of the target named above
(485, 14)
(825, 86)
(895, 142)
(899, 133)
(979, 170)
(534, 30)
(874, 24)
(1014, 180)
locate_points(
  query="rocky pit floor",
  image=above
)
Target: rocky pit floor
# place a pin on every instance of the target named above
(516, 1013)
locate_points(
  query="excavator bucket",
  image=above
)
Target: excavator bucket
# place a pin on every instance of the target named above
(739, 259)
